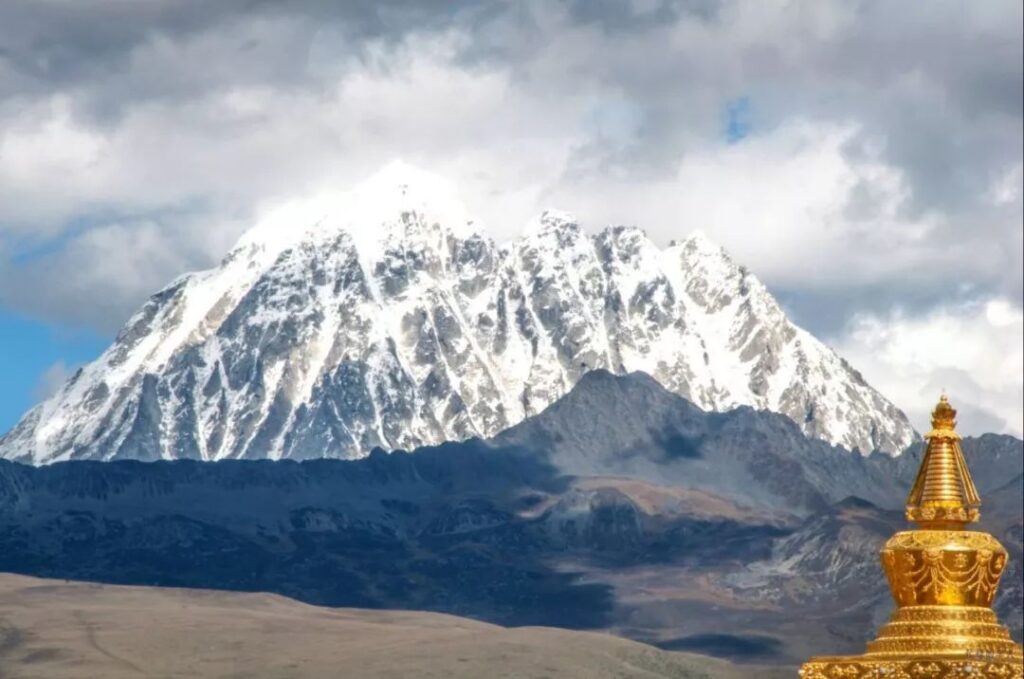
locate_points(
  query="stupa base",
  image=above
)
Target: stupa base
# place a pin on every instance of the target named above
(912, 667)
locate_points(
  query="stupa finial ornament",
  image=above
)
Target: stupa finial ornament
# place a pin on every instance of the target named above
(943, 578)
(943, 494)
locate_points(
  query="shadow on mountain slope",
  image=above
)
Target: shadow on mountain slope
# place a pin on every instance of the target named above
(434, 530)
(725, 645)
(620, 507)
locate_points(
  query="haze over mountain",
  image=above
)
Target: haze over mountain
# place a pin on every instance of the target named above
(382, 317)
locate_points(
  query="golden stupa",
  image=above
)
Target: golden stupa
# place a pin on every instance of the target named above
(943, 578)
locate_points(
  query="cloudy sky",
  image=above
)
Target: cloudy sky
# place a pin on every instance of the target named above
(863, 158)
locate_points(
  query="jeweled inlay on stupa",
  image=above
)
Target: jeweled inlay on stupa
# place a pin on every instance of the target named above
(943, 578)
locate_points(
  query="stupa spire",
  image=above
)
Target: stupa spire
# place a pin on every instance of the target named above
(943, 495)
(943, 579)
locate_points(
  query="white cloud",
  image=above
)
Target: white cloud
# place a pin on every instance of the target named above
(103, 271)
(1006, 189)
(173, 184)
(973, 352)
(778, 198)
(555, 105)
(47, 166)
(52, 379)
(236, 148)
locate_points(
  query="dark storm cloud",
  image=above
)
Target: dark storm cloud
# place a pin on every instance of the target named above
(617, 17)
(112, 54)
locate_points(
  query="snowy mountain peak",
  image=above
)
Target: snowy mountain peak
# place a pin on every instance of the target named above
(399, 187)
(700, 251)
(551, 223)
(405, 176)
(380, 316)
(697, 240)
(375, 212)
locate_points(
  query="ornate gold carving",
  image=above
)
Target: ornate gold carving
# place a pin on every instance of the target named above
(943, 539)
(959, 614)
(862, 668)
(939, 645)
(943, 567)
(943, 579)
(927, 630)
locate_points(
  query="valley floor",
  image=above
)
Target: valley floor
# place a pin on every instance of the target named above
(61, 630)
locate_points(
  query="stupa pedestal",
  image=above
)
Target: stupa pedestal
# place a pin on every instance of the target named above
(943, 579)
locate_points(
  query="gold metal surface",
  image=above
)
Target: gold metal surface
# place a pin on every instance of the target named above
(943, 495)
(943, 579)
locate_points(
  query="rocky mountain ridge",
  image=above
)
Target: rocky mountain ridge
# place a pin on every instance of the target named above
(728, 534)
(383, 317)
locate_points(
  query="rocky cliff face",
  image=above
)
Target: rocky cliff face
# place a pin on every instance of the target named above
(382, 317)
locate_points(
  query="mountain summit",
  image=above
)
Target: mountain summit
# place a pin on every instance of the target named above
(383, 317)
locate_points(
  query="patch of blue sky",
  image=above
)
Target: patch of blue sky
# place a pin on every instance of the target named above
(738, 119)
(28, 349)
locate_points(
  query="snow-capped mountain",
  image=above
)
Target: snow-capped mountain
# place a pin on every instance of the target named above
(383, 317)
